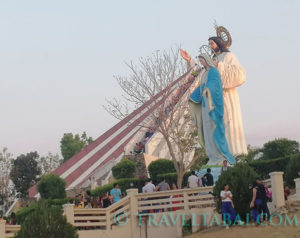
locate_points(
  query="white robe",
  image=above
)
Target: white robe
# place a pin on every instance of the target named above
(232, 76)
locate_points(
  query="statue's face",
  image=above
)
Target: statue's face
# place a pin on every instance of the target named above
(213, 45)
(203, 62)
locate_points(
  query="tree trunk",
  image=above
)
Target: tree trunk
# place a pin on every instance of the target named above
(180, 175)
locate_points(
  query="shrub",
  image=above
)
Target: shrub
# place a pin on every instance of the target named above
(160, 166)
(239, 178)
(280, 148)
(52, 186)
(59, 201)
(124, 169)
(264, 167)
(292, 170)
(124, 184)
(47, 221)
(172, 178)
(24, 212)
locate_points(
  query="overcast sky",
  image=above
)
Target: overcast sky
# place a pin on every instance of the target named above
(58, 58)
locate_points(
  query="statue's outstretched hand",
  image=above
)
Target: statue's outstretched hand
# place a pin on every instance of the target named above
(185, 55)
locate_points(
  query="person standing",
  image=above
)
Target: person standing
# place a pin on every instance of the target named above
(227, 205)
(193, 180)
(259, 201)
(106, 200)
(116, 193)
(149, 187)
(208, 179)
(287, 192)
(174, 187)
(163, 186)
(224, 167)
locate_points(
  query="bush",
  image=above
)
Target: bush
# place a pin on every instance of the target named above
(24, 212)
(59, 201)
(52, 186)
(264, 167)
(160, 166)
(239, 178)
(47, 221)
(172, 178)
(292, 170)
(124, 169)
(124, 184)
(280, 148)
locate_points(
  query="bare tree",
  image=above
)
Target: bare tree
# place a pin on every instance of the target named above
(160, 84)
(49, 163)
(6, 185)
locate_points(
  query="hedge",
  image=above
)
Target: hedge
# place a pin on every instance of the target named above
(172, 178)
(125, 169)
(292, 170)
(264, 167)
(160, 166)
(124, 184)
(24, 212)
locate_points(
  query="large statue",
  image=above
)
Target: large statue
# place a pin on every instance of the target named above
(207, 110)
(232, 76)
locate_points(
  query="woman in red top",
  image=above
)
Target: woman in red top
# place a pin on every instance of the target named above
(174, 187)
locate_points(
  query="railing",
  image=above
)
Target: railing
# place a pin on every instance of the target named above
(173, 200)
(8, 230)
(11, 230)
(99, 218)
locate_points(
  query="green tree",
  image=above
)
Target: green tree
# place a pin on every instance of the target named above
(71, 144)
(280, 148)
(292, 170)
(160, 166)
(24, 172)
(51, 186)
(124, 169)
(238, 178)
(46, 221)
(253, 154)
(202, 159)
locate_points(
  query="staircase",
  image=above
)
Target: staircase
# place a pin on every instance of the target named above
(141, 170)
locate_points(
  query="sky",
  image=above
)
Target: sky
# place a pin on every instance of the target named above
(58, 60)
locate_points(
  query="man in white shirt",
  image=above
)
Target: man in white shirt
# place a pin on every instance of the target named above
(149, 187)
(193, 181)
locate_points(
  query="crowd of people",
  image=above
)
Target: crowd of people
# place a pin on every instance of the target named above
(84, 199)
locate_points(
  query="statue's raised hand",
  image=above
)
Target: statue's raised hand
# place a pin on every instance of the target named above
(185, 55)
